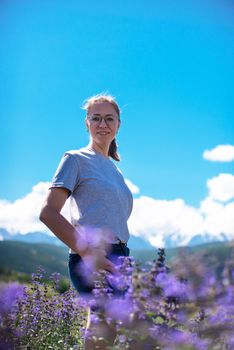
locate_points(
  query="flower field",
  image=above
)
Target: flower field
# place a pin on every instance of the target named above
(187, 306)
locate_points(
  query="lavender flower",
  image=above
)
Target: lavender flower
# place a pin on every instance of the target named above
(184, 307)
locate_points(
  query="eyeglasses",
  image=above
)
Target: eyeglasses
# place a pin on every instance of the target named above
(96, 119)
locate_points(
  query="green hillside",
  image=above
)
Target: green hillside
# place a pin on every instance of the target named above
(26, 257)
(220, 250)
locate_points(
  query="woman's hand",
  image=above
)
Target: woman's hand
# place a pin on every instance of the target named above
(95, 259)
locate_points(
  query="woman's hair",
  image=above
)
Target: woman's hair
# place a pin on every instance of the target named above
(104, 97)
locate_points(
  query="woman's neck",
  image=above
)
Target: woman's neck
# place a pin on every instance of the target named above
(101, 149)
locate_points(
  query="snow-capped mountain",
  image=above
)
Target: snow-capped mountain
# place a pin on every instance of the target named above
(135, 243)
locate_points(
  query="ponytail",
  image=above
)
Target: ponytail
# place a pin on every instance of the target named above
(113, 152)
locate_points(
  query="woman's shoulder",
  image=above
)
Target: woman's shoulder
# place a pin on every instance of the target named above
(78, 152)
(81, 153)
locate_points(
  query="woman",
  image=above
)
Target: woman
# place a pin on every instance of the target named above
(98, 192)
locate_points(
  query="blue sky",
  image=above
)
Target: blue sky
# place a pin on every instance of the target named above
(170, 67)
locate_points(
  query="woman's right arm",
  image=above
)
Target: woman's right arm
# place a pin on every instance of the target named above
(50, 215)
(66, 232)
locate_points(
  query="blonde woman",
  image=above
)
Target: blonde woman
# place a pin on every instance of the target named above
(98, 235)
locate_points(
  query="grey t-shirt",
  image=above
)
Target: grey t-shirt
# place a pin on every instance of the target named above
(99, 197)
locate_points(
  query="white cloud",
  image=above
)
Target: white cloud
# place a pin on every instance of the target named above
(157, 220)
(221, 187)
(221, 153)
(161, 222)
(176, 223)
(22, 215)
(165, 222)
(218, 218)
(133, 188)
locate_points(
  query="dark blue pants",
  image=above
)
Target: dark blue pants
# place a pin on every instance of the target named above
(79, 278)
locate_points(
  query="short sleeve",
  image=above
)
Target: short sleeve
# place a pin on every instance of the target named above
(67, 174)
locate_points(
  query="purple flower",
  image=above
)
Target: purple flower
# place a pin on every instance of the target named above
(122, 338)
(171, 285)
(180, 337)
(117, 281)
(9, 294)
(119, 309)
(94, 318)
(231, 342)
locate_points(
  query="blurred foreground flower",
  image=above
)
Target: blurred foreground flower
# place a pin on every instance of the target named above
(187, 307)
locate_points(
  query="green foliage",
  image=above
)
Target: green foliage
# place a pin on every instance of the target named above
(184, 307)
(26, 257)
(54, 258)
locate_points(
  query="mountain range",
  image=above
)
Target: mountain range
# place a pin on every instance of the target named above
(134, 243)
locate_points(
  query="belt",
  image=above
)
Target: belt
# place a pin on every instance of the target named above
(120, 243)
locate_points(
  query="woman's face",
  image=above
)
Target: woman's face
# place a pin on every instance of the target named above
(102, 122)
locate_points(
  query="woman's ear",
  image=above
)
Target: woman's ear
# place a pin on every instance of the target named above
(86, 124)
